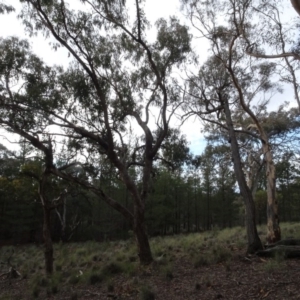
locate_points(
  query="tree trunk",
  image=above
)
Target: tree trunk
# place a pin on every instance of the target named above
(273, 228)
(273, 224)
(48, 240)
(296, 5)
(254, 242)
(62, 220)
(208, 206)
(46, 204)
(144, 251)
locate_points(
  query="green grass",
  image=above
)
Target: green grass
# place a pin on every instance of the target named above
(274, 264)
(95, 263)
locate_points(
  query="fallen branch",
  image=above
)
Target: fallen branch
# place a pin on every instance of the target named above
(287, 242)
(283, 250)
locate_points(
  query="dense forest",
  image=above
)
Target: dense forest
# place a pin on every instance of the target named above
(100, 157)
(195, 194)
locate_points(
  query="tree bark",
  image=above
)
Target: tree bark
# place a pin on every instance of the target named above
(48, 240)
(273, 234)
(273, 228)
(296, 5)
(62, 220)
(144, 251)
(46, 204)
(254, 242)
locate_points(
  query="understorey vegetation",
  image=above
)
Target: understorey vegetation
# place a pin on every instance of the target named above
(111, 269)
(97, 175)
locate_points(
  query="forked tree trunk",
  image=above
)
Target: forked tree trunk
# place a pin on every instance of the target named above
(48, 251)
(139, 226)
(254, 242)
(273, 223)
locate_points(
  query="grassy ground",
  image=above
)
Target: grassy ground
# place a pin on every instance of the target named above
(194, 263)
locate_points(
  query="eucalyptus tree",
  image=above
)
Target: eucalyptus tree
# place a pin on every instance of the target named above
(212, 98)
(175, 153)
(50, 200)
(117, 80)
(250, 80)
(276, 40)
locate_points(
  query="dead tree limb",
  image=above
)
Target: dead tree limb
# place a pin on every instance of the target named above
(286, 242)
(282, 250)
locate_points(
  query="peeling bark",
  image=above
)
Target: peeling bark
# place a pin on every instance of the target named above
(273, 234)
(273, 228)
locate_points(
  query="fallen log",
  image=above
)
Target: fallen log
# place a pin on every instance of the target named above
(281, 250)
(286, 242)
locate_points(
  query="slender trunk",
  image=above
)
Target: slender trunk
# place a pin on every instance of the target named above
(208, 208)
(289, 196)
(62, 220)
(64, 225)
(224, 211)
(48, 240)
(254, 242)
(125, 226)
(196, 208)
(188, 214)
(46, 204)
(273, 228)
(144, 251)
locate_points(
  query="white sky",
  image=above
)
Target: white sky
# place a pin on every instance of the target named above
(155, 9)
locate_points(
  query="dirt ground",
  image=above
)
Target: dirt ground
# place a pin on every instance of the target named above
(240, 278)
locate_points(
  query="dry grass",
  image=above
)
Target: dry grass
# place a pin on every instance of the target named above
(97, 264)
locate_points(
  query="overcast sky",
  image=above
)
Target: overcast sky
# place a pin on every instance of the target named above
(155, 9)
